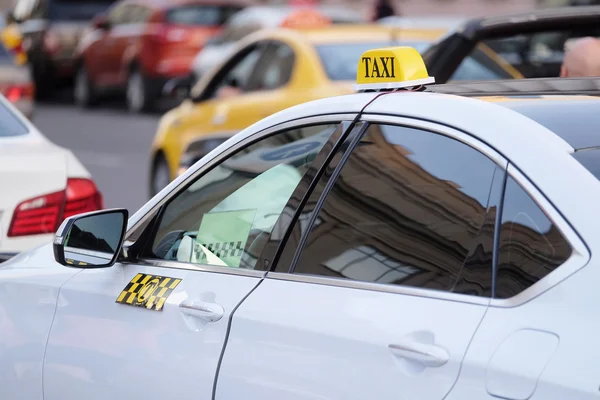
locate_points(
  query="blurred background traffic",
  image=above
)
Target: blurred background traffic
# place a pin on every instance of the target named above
(138, 90)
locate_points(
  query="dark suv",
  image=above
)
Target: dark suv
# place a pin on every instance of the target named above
(51, 31)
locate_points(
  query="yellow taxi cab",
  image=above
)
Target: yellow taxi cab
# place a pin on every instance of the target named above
(270, 70)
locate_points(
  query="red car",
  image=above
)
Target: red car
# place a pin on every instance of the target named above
(138, 45)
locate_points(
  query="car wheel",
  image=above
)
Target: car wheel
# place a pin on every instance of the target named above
(137, 94)
(161, 175)
(83, 91)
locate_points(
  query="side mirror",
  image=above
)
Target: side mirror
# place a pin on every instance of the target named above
(91, 240)
(101, 22)
(177, 88)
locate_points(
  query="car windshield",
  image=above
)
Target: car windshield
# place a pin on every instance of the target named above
(341, 60)
(76, 10)
(200, 15)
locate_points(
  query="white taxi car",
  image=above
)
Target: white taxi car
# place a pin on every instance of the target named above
(392, 244)
(40, 185)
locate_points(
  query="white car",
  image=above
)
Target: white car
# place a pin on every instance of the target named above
(386, 245)
(41, 184)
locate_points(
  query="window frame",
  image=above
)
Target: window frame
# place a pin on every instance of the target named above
(141, 235)
(577, 260)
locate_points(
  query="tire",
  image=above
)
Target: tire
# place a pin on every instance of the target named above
(138, 94)
(160, 176)
(83, 89)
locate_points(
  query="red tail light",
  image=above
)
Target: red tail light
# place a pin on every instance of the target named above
(82, 196)
(15, 93)
(44, 214)
(38, 215)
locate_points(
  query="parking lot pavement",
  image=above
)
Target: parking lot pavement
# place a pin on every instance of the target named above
(112, 144)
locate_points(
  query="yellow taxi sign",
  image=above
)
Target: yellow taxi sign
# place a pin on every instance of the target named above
(391, 68)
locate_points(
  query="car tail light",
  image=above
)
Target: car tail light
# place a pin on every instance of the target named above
(38, 215)
(15, 93)
(82, 196)
(44, 214)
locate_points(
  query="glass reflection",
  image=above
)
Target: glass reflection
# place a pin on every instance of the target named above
(412, 208)
(226, 216)
(531, 246)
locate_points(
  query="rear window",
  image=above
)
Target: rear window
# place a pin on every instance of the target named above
(200, 15)
(76, 10)
(590, 159)
(10, 125)
(341, 60)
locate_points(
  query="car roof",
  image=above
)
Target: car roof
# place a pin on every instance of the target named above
(576, 119)
(535, 20)
(566, 106)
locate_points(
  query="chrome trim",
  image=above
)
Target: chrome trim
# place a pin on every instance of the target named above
(193, 174)
(442, 130)
(579, 258)
(379, 287)
(201, 268)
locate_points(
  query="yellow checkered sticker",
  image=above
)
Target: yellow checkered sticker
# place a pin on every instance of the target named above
(148, 291)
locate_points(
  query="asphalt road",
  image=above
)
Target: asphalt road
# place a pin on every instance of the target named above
(112, 144)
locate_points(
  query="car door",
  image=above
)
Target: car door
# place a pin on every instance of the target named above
(384, 279)
(154, 327)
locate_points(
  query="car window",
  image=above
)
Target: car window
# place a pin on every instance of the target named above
(540, 54)
(410, 207)
(238, 74)
(275, 68)
(76, 10)
(225, 217)
(478, 67)
(530, 245)
(341, 60)
(200, 15)
(10, 125)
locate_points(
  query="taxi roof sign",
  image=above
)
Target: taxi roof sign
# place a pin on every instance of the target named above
(391, 68)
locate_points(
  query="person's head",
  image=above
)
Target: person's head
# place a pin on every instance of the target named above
(582, 58)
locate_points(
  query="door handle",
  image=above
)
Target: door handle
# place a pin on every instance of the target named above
(210, 312)
(429, 355)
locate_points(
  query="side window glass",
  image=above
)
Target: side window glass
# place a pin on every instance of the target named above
(410, 207)
(480, 66)
(237, 80)
(275, 68)
(226, 216)
(530, 246)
